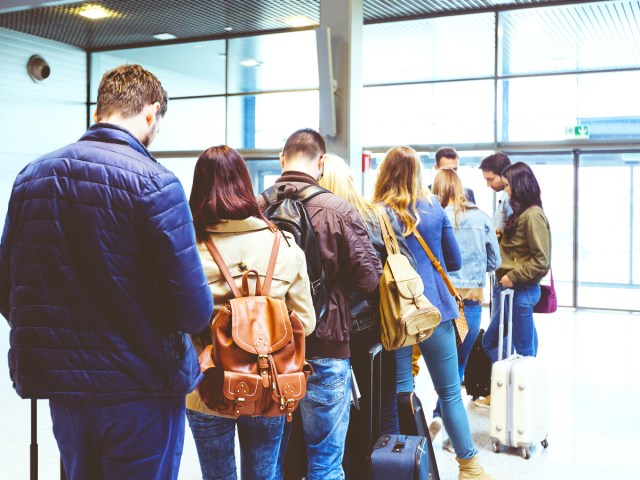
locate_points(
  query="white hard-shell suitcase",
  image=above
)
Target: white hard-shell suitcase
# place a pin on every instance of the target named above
(519, 404)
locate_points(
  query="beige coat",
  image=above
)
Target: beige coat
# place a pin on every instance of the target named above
(246, 244)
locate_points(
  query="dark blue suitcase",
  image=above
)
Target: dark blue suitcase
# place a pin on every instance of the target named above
(397, 457)
(400, 457)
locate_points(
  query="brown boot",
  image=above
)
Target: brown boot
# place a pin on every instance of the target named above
(471, 469)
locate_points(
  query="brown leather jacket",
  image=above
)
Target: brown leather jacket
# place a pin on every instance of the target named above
(349, 262)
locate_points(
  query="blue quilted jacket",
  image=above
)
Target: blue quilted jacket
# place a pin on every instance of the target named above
(100, 277)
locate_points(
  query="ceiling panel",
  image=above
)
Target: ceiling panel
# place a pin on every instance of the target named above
(134, 22)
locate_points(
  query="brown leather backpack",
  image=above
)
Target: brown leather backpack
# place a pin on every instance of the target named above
(256, 364)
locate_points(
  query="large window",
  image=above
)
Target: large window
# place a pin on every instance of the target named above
(456, 112)
(251, 92)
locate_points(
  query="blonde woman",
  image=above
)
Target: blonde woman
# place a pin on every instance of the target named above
(480, 253)
(365, 314)
(399, 186)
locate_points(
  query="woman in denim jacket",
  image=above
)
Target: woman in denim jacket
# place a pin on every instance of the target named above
(480, 253)
(399, 186)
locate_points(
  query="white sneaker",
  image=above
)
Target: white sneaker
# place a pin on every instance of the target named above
(434, 427)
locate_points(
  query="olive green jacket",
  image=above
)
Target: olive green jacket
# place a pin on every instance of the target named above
(526, 254)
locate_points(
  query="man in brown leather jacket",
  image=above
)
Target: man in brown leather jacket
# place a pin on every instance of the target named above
(350, 263)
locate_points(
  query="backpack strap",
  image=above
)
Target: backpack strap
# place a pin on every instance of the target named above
(222, 266)
(266, 286)
(273, 194)
(310, 191)
(388, 235)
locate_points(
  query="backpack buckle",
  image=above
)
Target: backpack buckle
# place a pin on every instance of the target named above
(263, 368)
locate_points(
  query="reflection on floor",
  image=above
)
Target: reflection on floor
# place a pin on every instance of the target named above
(594, 393)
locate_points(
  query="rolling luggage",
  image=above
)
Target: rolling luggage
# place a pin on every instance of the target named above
(33, 446)
(397, 457)
(413, 422)
(519, 408)
(477, 372)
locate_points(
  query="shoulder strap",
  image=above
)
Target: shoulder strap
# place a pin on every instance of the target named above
(436, 263)
(222, 266)
(215, 253)
(309, 192)
(266, 286)
(388, 235)
(270, 195)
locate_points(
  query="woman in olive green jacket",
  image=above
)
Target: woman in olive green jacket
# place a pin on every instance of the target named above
(525, 249)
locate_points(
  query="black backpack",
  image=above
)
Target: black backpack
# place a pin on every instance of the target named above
(285, 208)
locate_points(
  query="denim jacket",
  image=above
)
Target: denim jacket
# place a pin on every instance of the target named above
(365, 307)
(478, 246)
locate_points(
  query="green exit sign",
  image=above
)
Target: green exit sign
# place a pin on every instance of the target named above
(577, 131)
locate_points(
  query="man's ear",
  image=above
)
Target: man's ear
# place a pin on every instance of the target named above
(321, 161)
(95, 116)
(151, 112)
(282, 159)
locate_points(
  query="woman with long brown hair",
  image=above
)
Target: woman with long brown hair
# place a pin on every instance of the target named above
(225, 210)
(480, 253)
(399, 185)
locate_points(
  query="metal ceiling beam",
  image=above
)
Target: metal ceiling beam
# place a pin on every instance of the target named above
(15, 5)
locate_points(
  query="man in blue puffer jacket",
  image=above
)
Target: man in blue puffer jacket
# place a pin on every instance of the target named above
(100, 279)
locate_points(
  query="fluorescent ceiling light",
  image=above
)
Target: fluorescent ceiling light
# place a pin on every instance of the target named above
(249, 62)
(298, 21)
(164, 36)
(94, 12)
(227, 29)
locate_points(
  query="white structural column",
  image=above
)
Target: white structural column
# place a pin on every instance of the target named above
(345, 19)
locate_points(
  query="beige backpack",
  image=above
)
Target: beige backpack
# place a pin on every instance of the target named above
(407, 316)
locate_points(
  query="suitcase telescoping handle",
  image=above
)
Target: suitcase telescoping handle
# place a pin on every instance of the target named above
(375, 395)
(503, 296)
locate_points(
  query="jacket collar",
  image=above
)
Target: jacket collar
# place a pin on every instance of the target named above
(294, 176)
(248, 224)
(110, 133)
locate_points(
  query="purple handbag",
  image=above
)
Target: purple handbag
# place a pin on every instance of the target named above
(548, 302)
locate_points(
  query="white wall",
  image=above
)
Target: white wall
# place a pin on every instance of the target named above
(36, 118)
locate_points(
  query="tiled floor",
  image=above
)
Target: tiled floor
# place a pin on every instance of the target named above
(593, 360)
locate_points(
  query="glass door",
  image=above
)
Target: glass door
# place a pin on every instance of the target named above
(608, 231)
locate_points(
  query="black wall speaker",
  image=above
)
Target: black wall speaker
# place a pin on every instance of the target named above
(38, 68)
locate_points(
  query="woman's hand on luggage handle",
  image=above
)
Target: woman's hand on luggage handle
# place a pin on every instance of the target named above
(506, 282)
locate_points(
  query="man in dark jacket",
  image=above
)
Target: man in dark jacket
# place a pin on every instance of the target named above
(100, 279)
(350, 263)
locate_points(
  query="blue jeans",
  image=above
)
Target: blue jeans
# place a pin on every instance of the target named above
(473, 314)
(439, 352)
(524, 336)
(325, 418)
(215, 442)
(117, 439)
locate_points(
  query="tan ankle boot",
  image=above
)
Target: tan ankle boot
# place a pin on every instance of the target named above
(471, 469)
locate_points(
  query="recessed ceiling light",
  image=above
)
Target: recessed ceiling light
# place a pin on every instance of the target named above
(249, 62)
(228, 29)
(298, 21)
(164, 36)
(94, 12)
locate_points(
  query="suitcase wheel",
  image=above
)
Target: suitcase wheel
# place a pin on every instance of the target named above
(544, 443)
(526, 453)
(496, 447)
